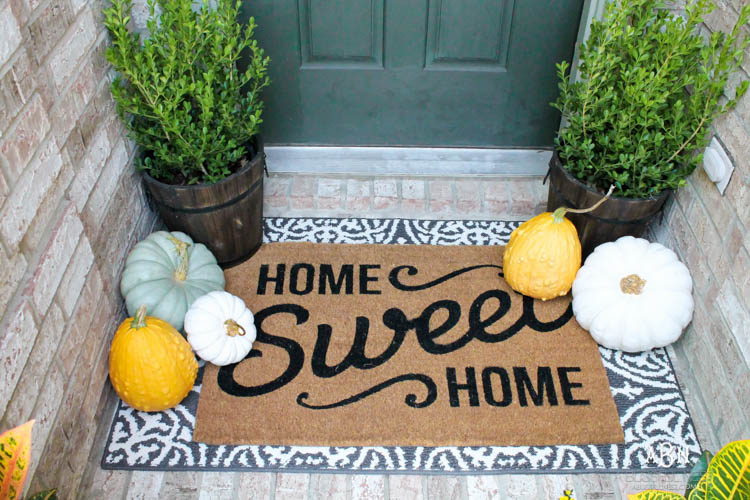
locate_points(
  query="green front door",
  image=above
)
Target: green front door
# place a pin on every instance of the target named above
(413, 72)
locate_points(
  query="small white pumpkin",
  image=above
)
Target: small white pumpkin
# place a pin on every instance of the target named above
(220, 328)
(633, 295)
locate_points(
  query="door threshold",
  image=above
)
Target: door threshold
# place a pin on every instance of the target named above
(412, 161)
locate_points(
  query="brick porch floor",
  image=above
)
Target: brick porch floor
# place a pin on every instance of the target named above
(475, 198)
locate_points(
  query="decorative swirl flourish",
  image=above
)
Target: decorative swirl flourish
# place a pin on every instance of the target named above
(411, 271)
(410, 399)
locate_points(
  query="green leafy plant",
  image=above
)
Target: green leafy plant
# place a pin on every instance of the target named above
(650, 87)
(723, 477)
(179, 90)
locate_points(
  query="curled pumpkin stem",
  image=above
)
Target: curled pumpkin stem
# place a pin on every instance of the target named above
(181, 247)
(559, 214)
(234, 328)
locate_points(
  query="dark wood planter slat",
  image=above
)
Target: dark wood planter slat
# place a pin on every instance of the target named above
(616, 217)
(227, 216)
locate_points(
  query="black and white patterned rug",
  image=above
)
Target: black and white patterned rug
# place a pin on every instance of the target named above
(659, 434)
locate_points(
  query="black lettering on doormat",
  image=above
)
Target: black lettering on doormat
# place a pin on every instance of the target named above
(410, 399)
(498, 386)
(500, 393)
(302, 279)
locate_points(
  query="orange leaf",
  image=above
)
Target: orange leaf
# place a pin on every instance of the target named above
(15, 451)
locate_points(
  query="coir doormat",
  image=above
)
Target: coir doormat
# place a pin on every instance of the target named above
(416, 345)
(650, 407)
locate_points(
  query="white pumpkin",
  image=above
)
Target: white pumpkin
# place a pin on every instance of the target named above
(633, 295)
(220, 328)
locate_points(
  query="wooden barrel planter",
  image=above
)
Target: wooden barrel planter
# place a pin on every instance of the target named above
(226, 216)
(616, 217)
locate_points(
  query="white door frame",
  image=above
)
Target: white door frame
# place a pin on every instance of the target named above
(416, 161)
(592, 9)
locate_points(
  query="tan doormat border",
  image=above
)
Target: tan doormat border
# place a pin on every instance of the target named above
(376, 345)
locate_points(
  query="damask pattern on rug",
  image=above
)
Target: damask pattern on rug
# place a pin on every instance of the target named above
(659, 434)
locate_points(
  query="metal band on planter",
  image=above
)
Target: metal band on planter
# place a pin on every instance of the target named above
(617, 217)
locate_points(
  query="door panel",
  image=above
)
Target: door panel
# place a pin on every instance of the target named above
(468, 34)
(341, 33)
(413, 72)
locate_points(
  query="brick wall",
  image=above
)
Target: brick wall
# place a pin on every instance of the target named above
(711, 234)
(71, 206)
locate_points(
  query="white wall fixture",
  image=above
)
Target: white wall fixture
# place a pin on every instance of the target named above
(717, 165)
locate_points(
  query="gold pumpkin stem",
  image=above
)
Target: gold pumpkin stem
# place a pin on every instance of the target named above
(234, 328)
(181, 247)
(559, 214)
(632, 284)
(139, 320)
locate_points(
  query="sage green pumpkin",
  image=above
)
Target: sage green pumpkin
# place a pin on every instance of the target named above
(167, 272)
